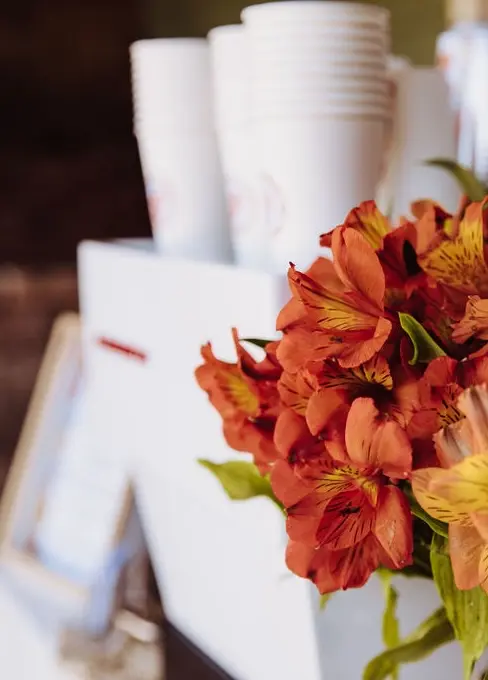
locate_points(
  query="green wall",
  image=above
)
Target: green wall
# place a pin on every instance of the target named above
(416, 23)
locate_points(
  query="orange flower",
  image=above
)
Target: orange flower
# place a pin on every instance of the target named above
(458, 495)
(395, 249)
(246, 396)
(332, 570)
(439, 390)
(474, 325)
(368, 220)
(341, 315)
(450, 250)
(343, 508)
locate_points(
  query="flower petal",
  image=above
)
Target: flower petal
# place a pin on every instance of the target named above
(474, 404)
(457, 260)
(292, 437)
(483, 569)
(351, 568)
(434, 502)
(322, 271)
(289, 488)
(295, 391)
(480, 522)
(372, 442)
(465, 485)
(474, 324)
(376, 371)
(330, 310)
(358, 266)
(368, 221)
(321, 406)
(304, 519)
(299, 558)
(351, 354)
(440, 372)
(393, 527)
(347, 520)
(453, 443)
(465, 549)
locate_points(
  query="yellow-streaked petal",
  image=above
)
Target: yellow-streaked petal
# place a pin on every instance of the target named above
(239, 392)
(433, 502)
(464, 486)
(329, 310)
(370, 222)
(457, 260)
(373, 372)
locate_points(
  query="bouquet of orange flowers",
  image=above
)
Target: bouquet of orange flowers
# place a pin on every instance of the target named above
(368, 420)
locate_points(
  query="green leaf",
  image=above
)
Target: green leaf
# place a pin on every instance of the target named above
(390, 627)
(469, 183)
(467, 609)
(433, 633)
(241, 480)
(324, 601)
(257, 342)
(425, 349)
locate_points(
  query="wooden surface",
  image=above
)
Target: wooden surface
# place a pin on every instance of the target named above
(30, 300)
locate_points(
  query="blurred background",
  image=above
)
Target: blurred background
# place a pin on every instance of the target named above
(70, 167)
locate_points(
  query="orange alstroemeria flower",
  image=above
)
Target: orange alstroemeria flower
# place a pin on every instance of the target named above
(458, 495)
(369, 221)
(343, 508)
(439, 390)
(342, 315)
(246, 396)
(474, 325)
(451, 250)
(395, 249)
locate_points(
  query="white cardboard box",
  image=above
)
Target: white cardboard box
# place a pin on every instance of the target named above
(220, 565)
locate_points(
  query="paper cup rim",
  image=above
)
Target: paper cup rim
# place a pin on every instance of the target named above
(318, 27)
(330, 8)
(164, 46)
(226, 31)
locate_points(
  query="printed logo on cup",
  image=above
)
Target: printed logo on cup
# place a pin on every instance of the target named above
(241, 204)
(273, 205)
(161, 203)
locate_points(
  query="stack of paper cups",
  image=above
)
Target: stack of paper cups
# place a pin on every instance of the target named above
(173, 122)
(232, 109)
(320, 104)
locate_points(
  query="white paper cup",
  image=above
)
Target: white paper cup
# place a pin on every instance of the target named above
(299, 112)
(250, 240)
(318, 58)
(273, 13)
(231, 75)
(268, 70)
(429, 131)
(171, 82)
(313, 171)
(317, 44)
(307, 99)
(298, 85)
(184, 184)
